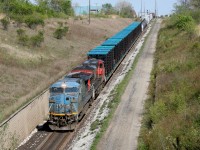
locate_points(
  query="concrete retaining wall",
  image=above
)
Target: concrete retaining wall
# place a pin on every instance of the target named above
(15, 129)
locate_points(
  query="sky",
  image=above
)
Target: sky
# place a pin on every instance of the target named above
(164, 7)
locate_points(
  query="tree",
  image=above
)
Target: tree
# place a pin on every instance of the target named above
(57, 5)
(189, 7)
(190, 4)
(125, 9)
(107, 9)
(43, 3)
(67, 7)
(195, 4)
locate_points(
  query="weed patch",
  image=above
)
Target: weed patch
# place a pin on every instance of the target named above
(60, 32)
(33, 21)
(172, 108)
(34, 41)
(5, 22)
(95, 125)
(37, 39)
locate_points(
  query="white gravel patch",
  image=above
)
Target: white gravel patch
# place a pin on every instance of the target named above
(85, 136)
(29, 137)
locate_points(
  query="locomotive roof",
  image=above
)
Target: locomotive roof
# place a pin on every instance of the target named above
(81, 75)
(91, 61)
(85, 67)
(68, 82)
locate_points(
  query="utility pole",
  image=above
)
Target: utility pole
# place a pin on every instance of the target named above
(89, 11)
(155, 8)
(96, 9)
(141, 9)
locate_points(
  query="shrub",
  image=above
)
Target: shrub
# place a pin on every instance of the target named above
(20, 32)
(177, 101)
(196, 15)
(37, 39)
(23, 40)
(60, 32)
(5, 22)
(185, 23)
(22, 37)
(32, 21)
(18, 18)
(22, 8)
(158, 111)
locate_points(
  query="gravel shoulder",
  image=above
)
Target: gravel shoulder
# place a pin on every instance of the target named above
(124, 128)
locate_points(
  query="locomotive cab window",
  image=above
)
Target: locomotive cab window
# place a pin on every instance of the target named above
(101, 65)
(56, 90)
(71, 89)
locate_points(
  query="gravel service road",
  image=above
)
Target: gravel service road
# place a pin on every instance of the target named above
(123, 131)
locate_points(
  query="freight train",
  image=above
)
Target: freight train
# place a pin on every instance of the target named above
(71, 96)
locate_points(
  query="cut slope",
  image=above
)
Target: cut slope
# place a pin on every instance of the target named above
(26, 71)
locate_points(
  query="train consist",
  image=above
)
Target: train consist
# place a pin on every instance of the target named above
(71, 96)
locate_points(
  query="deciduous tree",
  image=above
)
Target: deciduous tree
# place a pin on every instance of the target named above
(125, 9)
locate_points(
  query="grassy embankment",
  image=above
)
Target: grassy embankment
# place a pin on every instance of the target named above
(172, 117)
(24, 59)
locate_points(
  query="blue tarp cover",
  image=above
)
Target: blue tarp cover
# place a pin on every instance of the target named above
(100, 50)
(110, 43)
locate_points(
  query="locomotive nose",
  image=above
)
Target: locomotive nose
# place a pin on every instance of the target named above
(59, 104)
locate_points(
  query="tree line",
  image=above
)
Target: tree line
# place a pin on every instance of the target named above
(123, 9)
(47, 8)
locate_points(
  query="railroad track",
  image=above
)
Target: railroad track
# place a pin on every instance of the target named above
(54, 141)
(61, 140)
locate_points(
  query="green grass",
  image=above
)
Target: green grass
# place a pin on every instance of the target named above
(172, 113)
(34, 14)
(113, 104)
(23, 62)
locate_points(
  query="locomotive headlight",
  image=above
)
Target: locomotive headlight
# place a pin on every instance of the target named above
(64, 85)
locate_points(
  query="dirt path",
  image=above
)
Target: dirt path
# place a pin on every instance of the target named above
(125, 125)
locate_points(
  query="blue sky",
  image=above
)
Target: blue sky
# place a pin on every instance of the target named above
(164, 6)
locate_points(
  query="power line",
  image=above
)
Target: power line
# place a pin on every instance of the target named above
(89, 11)
(141, 8)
